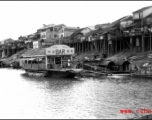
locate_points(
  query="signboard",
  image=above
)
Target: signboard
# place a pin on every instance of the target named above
(43, 35)
(35, 44)
(59, 50)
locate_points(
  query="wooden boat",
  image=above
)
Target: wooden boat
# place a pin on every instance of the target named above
(56, 62)
(144, 71)
(15, 65)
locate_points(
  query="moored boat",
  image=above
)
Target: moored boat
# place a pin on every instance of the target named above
(55, 62)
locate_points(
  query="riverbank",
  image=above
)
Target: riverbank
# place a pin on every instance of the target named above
(135, 56)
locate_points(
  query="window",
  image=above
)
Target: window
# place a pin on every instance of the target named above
(55, 29)
(55, 36)
(58, 60)
(51, 29)
(61, 36)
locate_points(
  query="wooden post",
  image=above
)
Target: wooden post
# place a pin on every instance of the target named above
(120, 45)
(143, 44)
(46, 62)
(150, 40)
(116, 45)
(38, 63)
(104, 46)
(131, 42)
(61, 62)
(123, 44)
(108, 47)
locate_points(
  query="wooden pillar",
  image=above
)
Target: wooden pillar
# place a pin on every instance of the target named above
(116, 45)
(79, 47)
(123, 44)
(131, 42)
(150, 40)
(104, 46)
(89, 46)
(46, 62)
(108, 47)
(38, 63)
(120, 45)
(143, 44)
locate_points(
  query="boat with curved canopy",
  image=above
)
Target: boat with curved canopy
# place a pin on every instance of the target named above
(56, 61)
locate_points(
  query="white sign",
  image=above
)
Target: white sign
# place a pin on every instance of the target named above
(43, 35)
(35, 44)
(59, 50)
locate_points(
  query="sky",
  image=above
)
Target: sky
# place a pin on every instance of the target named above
(21, 18)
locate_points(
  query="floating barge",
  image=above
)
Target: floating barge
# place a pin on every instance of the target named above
(55, 62)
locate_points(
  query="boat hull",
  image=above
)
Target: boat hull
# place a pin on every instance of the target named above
(142, 76)
(49, 73)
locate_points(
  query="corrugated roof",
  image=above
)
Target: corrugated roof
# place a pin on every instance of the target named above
(142, 9)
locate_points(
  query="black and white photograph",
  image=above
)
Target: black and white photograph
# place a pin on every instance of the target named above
(76, 60)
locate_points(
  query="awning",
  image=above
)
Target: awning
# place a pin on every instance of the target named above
(24, 59)
(120, 62)
(30, 59)
(106, 63)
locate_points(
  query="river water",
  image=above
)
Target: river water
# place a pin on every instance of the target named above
(26, 97)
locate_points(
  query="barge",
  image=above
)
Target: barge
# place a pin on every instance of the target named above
(56, 62)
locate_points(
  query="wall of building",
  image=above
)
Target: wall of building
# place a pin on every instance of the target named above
(147, 12)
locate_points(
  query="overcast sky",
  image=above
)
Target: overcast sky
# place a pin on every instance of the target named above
(25, 17)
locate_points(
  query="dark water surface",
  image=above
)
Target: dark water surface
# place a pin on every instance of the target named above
(37, 97)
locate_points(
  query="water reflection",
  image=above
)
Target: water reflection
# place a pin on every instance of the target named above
(37, 97)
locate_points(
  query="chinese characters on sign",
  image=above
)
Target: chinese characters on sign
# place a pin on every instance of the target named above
(60, 52)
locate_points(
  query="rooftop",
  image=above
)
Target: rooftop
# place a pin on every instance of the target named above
(142, 9)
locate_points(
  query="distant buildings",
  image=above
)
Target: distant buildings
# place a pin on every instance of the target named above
(128, 32)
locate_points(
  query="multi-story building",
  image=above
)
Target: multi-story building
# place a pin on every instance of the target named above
(51, 34)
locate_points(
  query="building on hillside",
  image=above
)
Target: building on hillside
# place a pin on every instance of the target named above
(51, 34)
(5, 48)
(142, 13)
